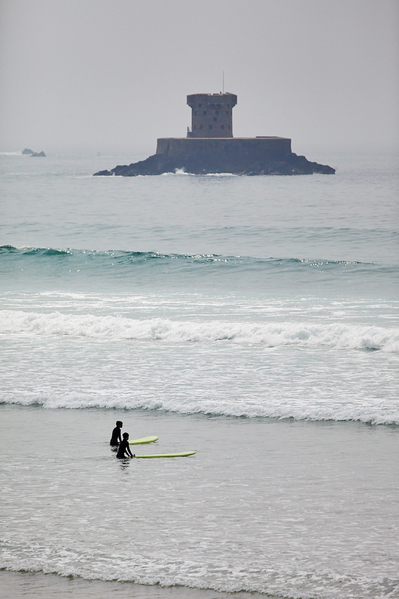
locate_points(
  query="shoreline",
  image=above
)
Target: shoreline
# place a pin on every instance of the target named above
(37, 585)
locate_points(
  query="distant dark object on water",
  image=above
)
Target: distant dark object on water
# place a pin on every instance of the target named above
(34, 154)
(210, 148)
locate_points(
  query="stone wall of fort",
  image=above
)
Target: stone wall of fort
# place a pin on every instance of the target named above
(238, 148)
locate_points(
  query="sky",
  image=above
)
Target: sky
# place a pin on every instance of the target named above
(113, 75)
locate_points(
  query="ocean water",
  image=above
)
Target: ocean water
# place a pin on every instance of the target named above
(252, 319)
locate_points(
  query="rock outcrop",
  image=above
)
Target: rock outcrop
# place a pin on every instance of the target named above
(34, 154)
(202, 163)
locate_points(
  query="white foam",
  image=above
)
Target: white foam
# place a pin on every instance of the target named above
(304, 334)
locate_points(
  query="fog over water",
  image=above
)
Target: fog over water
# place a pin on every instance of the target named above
(101, 75)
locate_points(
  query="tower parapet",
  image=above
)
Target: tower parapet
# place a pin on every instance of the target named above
(211, 114)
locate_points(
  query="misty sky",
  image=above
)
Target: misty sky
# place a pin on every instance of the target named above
(114, 74)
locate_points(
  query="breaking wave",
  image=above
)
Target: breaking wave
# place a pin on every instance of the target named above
(334, 335)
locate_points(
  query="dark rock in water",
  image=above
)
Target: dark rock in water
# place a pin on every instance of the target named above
(34, 154)
(221, 160)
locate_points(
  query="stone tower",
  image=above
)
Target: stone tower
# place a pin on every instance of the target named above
(211, 115)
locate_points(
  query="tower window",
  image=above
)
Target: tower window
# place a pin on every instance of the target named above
(216, 112)
(199, 105)
(215, 118)
(210, 126)
(222, 127)
(204, 113)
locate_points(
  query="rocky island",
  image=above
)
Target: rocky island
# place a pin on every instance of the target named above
(210, 148)
(30, 152)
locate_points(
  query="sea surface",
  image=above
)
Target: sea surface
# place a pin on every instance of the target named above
(251, 319)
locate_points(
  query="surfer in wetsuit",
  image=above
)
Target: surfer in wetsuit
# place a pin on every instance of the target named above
(116, 434)
(124, 448)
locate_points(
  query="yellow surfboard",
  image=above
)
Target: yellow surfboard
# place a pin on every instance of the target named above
(143, 440)
(167, 455)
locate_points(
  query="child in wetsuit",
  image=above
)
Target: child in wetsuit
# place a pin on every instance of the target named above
(116, 434)
(124, 448)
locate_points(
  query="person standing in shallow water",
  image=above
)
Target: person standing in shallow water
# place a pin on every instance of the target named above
(116, 438)
(124, 449)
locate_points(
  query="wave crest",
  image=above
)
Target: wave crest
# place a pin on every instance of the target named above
(124, 256)
(334, 335)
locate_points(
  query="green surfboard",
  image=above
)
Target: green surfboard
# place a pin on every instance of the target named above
(143, 440)
(167, 455)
